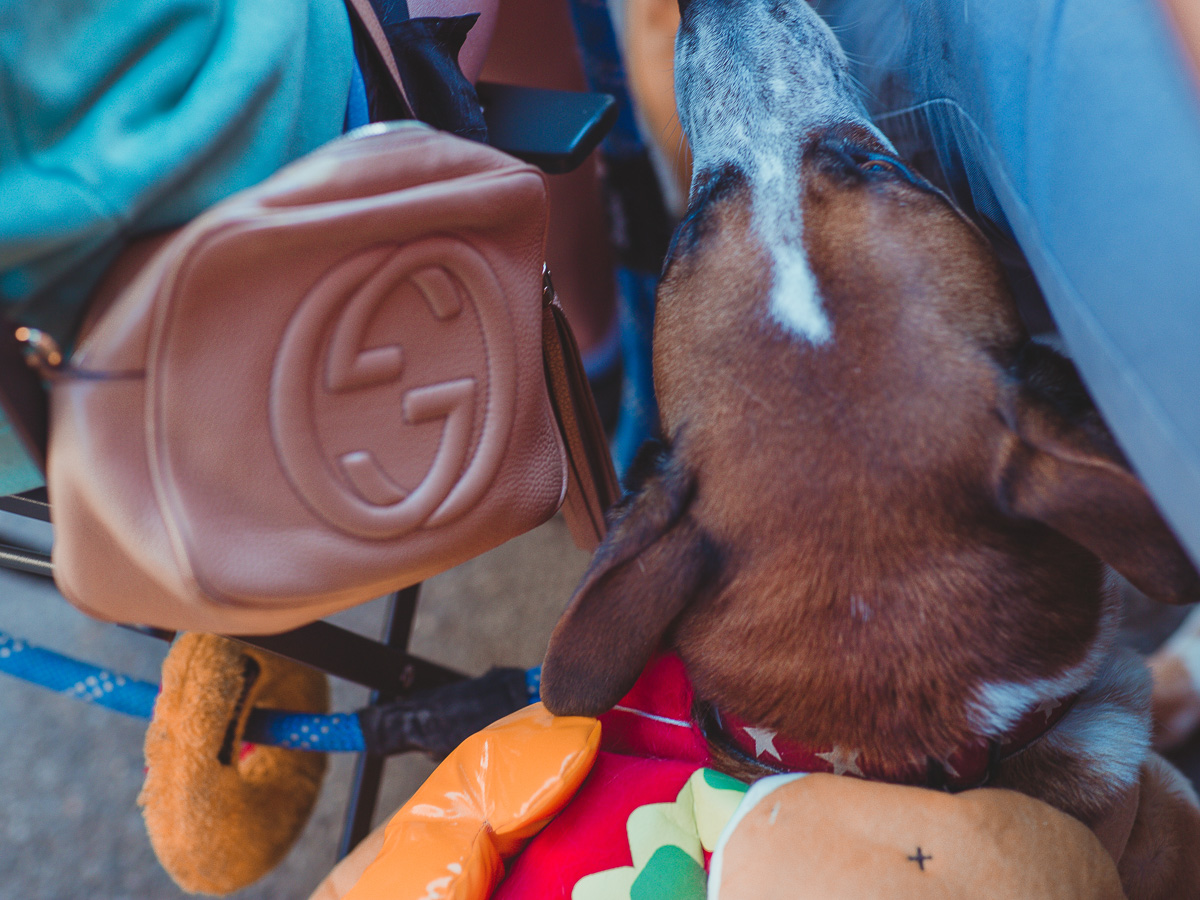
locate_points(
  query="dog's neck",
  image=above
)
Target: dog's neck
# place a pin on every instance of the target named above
(662, 716)
(750, 752)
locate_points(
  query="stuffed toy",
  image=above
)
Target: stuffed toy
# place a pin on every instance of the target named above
(624, 808)
(220, 812)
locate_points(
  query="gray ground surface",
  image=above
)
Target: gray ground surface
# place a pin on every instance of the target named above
(70, 773)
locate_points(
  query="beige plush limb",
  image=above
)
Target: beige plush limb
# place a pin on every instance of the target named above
(830, 837)
(1162, 858)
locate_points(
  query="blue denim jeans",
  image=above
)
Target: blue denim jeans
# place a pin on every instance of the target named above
(1072, 127)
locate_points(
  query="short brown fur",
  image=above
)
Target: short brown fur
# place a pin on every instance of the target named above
(867, 532)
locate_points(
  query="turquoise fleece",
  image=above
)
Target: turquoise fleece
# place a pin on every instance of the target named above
(122, 117)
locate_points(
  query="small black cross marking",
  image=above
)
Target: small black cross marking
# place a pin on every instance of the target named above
(920, 859)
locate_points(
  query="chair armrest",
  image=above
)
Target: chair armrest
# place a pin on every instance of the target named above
(553, 130)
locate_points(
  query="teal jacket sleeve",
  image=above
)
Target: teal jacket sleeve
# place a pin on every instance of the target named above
(121, 117)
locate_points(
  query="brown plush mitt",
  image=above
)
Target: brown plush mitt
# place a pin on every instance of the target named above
(221, 813)
(830, 837)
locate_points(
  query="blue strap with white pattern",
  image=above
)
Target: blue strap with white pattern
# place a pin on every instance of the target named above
(328, 733)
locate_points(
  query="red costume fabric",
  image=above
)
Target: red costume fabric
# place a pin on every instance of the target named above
(537, 807)
(649, 747)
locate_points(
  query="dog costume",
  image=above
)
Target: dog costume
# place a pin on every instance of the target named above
(624, 807)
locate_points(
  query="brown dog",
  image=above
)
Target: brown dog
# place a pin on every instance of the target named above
(877, 525)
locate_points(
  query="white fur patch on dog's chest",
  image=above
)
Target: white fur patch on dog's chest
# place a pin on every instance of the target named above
(1107, 727)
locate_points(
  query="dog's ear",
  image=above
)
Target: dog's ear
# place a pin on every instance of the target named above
(1064, 469)
(651, 564)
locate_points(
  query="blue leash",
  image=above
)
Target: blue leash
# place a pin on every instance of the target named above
(326, 733)
(76, 679)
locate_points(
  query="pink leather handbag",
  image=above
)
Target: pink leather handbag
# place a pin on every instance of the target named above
(332, 385)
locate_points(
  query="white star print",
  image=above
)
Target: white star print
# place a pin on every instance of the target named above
(1048, 707)
(764, 741)
(843, 761)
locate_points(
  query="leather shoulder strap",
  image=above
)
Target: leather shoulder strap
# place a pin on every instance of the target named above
(592, 485)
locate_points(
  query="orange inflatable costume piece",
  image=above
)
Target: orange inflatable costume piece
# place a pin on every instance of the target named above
(479, 808)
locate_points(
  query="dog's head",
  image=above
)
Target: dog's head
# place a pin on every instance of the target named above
(876, 497)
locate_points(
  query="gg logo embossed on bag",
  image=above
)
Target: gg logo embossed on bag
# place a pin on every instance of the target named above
(397, 303)
(326, 387)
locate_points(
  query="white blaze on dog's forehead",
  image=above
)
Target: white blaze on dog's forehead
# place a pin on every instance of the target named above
(723, 65)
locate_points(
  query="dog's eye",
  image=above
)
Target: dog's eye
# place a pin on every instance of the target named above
(872, 166)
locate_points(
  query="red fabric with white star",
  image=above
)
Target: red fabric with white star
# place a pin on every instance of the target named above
(780, 753)
(969, 766)
(650, 746)
(655, 719)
